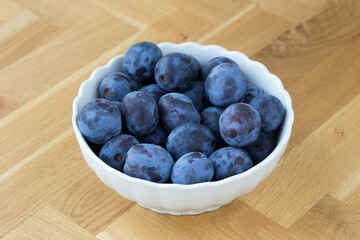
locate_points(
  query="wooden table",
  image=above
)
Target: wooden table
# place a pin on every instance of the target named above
(47, 48)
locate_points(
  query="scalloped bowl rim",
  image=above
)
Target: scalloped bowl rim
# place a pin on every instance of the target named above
(281, 144)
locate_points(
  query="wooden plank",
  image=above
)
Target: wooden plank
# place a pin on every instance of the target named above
(181, 26)
(32, 128)
(296, 11)
(353, 199)
(211, 11)
(300, 49)
(348, 191)
(311, 169)
(21, 35)
(91, 204)
(70, 51)
(186, 25)
(57, 227)
(140, 223)
(40, 180)
(250, 38)
(328, 219)
(20, 21)
(64, 13)
(348, 187)
(25, 121)
(234, 221)
(131, 10)
(352, 7)
(9, 9)
(325, 90)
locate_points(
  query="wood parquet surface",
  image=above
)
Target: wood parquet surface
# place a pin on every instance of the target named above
(48, 47)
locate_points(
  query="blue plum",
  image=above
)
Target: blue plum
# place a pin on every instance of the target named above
(154, 91)
(251, 92)
(190, 137)
(176, 109)
(140, 60)
(115, 86)
(271, 111)
(240, 125)
(225, 85)
(206, 69)
(192, 168)
(157, 137)
(196, 92)
(210, 117)
(149, 162)
(175, 71)
(99, 121)
(118, 104)
(135, 84)
(140, 113)
(230, 161)
(262, 147)
(114, 150)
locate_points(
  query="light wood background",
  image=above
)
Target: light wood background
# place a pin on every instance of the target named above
(48, 47)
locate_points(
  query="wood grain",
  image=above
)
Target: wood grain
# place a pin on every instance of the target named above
(25, 119)
(157, 226)
(353, 199)
(130, 10)
(91, 204)
(9, 9)
(64, 13)
(49, 47)
(352, 7)
(235, 221)
(211, 11)
(325, 90)
(348, 187)
(297, 11)
(301, 48)
(28, 32)
(60, 227)
(39, 181)
(248, 38)
(328, 219)
(68, 51)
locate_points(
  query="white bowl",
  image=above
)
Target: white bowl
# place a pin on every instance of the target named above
(197, 198)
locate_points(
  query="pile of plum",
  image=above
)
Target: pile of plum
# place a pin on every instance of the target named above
(166, 119)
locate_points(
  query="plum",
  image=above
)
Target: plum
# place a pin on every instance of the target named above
(230, 161)
(190, 137)
(149, 162)
(99, 120)
(192, 168)
(240, 125)
(140, 113)
(176, 109)
(225, 85)
(175, 71)
(114, 150)
(140, 60)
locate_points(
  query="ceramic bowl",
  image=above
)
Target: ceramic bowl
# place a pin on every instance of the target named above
(196, 198)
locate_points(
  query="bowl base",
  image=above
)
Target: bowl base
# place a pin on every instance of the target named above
(186, 212)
